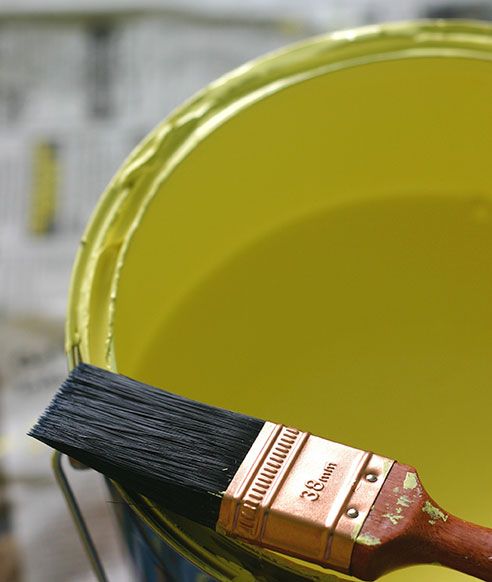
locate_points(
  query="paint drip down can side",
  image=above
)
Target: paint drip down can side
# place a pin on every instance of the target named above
(308, 241)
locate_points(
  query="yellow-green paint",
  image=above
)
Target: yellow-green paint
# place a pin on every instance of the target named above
(368, 540)
(303, 236)
(393, 517)
(387, 464)
(355, 531)
(411, 481)
(404, 500)
(434, 512)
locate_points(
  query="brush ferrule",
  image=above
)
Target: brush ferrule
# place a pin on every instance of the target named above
(302, 495)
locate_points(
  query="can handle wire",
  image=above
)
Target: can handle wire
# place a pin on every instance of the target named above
(78, 518)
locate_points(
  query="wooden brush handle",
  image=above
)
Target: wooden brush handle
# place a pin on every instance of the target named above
(405, 526)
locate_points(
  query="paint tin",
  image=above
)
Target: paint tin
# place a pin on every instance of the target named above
(308, 240)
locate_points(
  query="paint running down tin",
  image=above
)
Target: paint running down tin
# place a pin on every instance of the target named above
(308, 240)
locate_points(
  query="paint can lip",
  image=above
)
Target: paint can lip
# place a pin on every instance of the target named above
(123, 204)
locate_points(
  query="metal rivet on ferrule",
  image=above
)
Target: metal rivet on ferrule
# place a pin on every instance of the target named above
(352, 513)
(371, 478)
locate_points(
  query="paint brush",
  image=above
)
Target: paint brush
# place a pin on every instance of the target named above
(264, 483)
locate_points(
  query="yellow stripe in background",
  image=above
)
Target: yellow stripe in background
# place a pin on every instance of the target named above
(44, 190)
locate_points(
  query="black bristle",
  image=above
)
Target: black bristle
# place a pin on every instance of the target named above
(178, 452)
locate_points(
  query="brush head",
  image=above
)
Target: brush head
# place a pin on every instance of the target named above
(179, 452)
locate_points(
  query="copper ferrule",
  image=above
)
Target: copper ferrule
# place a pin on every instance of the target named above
(302, 495)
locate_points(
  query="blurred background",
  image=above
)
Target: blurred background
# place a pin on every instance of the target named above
(81, 82)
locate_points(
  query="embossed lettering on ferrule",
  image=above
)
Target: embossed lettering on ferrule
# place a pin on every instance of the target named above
(315, 486)
(292, 491)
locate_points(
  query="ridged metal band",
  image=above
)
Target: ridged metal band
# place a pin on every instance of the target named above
(302, 495)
